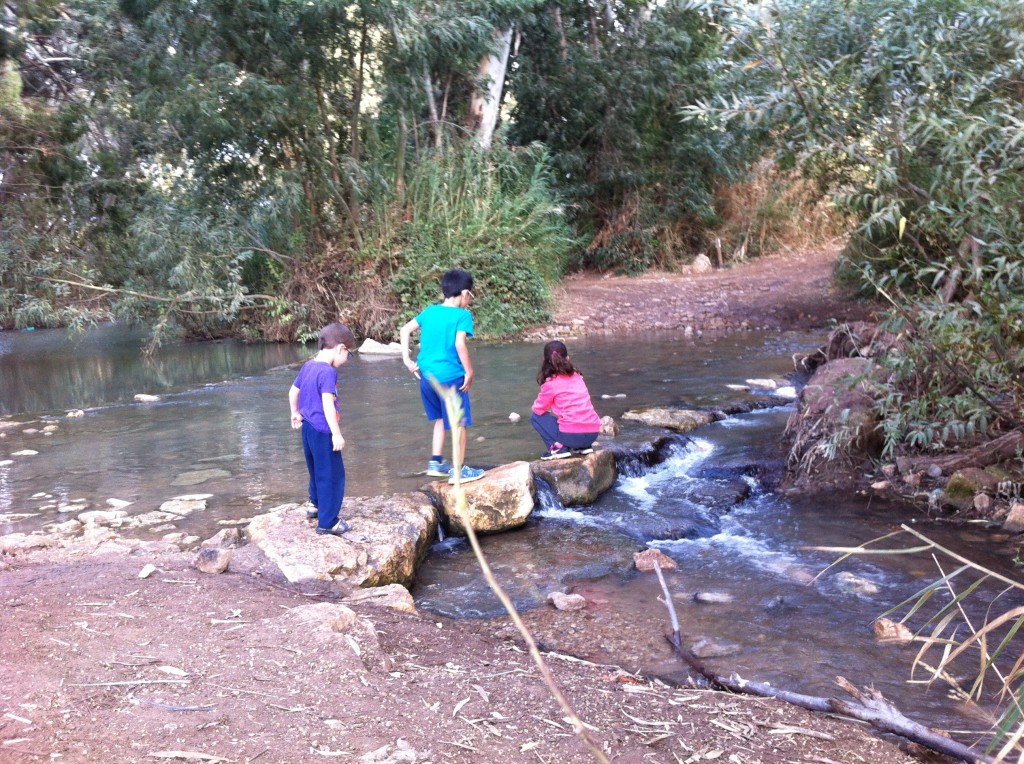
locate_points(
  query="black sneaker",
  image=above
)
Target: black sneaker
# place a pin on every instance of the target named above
(557, 453)
(340, 529)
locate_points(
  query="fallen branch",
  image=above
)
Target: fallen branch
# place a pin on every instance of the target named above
(870, 705)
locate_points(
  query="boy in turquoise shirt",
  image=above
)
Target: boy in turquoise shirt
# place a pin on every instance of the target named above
(444, 357)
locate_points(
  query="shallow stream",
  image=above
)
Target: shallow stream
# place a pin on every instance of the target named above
(221, 427)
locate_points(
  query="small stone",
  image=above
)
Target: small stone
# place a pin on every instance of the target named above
(645, 561)
(609, 426)
(514, 417)
(117, 503)
(564, 601)
(854, 584)
(146, 398)
(212, 560)
(29, 431)
(147, 570)
(739, 388)
(982, 502)
(184, 505)
(891, 631)
(25, 452)
(934, 471)
(881, 485)
(913, 480)
(769, 384)
(889, 470)
(75, 414)
(713, 598)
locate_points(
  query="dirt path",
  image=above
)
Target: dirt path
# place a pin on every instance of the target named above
(790, 291)
(100, 665)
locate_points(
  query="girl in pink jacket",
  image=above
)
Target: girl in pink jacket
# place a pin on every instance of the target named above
(563, 413)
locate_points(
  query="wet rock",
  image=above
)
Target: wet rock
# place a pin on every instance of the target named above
(147, 570)
(1014, 522)
(514, 417)
(609, 426)
(200, 476)
(645, 561)
(934, 471)
(912, 480)
(779, 606)
(982, 503)
(502, 500)
(397, 531)
(964, 484)
(854, 584)
(96, 517)
(394, 596)
(678, 420)
(881, 486)
(146, 398)
(713, 598)
(578, 480)
(889, 470)
(706, 648)
(182, 506)
(74, 414)
(891, 631)
(767, 384)
(212, 560)
(564, 601)
(118, 503)
(25, 452)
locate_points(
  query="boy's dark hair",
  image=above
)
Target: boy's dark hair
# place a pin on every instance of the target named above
(556, 362)
(455, 281)
(336, 334)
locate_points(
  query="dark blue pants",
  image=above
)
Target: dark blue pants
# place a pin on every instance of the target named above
(326, 475)
(547, 425)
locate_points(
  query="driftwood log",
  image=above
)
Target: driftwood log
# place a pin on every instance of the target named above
(868, 705)
(999, 449)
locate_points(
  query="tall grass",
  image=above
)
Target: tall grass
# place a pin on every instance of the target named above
(494, 215)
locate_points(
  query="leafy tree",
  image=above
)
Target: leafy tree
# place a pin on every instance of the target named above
(910, 116)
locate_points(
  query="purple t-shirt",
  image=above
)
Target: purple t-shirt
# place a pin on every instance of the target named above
(316, 378)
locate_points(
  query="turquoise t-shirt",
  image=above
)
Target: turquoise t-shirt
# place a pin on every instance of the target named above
(438, 326)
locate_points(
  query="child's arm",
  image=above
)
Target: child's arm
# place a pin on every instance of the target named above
(293, 404)
(462, 348)
(331, 415)
(406, 334)
(545, 398)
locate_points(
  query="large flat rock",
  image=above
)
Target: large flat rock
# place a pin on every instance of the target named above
(678, 420)
(390, 535)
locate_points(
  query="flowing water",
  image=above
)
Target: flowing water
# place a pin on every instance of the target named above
(748, 588)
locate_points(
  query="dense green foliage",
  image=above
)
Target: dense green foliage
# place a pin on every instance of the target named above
(910, 115)
(601, 88)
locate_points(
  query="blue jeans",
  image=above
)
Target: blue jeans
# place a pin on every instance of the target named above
(546, 425)
(326, 475)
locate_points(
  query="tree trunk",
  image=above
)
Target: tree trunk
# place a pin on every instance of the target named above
(484, 107)
(435, 120)
(563, 44)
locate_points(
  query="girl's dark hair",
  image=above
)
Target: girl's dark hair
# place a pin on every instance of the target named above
(556, 362)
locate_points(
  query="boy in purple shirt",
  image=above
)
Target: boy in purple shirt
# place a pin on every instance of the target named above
(314, 403)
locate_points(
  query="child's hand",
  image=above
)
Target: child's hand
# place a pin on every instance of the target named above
(413, 367)
(467, 382)
(296, 421)
(337, 442)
